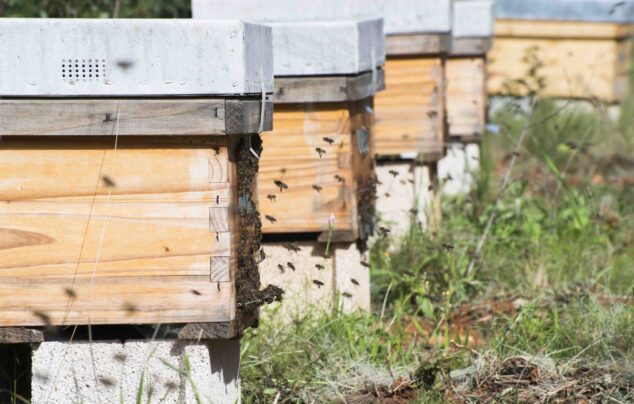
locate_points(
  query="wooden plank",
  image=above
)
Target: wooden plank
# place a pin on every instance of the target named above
(410, 114)
(466, 98)
(114, 300)
(560, 29)
(417, 44)
(572, 68)
(289, 90)
(137, 224)
(470, 46)
(203, 331)
(130, 117)
(290, 157)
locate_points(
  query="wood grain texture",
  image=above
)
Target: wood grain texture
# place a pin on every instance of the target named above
(417, 44)
(560, 29)
(410, 113)
(572, 68)
(131, 117)
(13, 335)
(290, 156)
(87, 232)
(293, 90)
(466, 98)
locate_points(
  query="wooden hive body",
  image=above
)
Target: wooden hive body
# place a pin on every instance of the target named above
(582, 48)
(318, 161)
(131, 210)
(411, 113)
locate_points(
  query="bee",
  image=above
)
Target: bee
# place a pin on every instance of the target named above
(387, 194)
(108, 181)
(432, 114)
(411, 181)
(408, 273)
(430, 188)
(217, 236)
(291, 266)
(283, 170)
(448, 178)
(271, 197)
(195, 292)
(384, 231)
(70, 293)
(217, 199)
(329, 140)
(270, 218)
(317, 188)
(413, 211)
(282, 186)
(393, 173)
(346, 294)
(354, 281)
(340, 178)
(320, 151)
(447, 246)
(378, 182)
(364, 264)
(262, 256)
(318, 283)
(281, 268)
(320, 267)
(291, 247)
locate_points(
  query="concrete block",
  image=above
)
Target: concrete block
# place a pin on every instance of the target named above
(404, 195)
(457, 169)
(317, 280)
(166, 371)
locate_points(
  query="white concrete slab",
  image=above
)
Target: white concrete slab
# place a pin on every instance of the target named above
(120, 57)
(403, 195)
(312, 281)
(457, 169)
(117, 372)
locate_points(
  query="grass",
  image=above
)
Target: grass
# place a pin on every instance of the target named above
(552, 297)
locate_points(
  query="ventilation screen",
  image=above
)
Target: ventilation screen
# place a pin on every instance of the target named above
(78, 70)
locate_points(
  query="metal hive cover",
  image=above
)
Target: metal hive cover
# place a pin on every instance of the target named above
(616, 11)
(327, 47)
(118, 57)
(401, 16)
(473, 19)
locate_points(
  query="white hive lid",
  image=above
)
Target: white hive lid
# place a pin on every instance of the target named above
(327, 47)
(473, 19)
(401, 16)
(144, 57)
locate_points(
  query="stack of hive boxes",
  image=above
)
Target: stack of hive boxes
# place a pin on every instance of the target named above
(317, 184)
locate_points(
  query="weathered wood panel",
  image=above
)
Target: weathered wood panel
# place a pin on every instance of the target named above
(290, 156)
(127, 117)
(94, 235)
(410, 113)
(466, 98)
(580, 60)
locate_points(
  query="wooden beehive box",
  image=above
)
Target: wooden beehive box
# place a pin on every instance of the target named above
(319, 159)
(583, 46)
(410, 114)
(127, 175)
(466, 70)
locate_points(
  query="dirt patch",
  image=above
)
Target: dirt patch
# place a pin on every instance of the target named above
(402, 391)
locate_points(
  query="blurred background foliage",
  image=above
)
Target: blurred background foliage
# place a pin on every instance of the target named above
(96, 8)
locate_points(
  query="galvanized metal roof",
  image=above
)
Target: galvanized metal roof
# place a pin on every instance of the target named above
(616, 11)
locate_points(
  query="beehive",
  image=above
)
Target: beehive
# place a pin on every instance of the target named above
(317, 181)
(580, 48)
(127, 173)
(466, 93)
